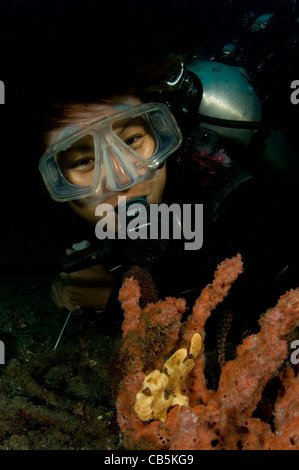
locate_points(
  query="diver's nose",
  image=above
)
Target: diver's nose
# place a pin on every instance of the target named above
(121, 175)
(115, 171)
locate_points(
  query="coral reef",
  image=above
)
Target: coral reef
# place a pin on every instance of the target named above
(210, 419)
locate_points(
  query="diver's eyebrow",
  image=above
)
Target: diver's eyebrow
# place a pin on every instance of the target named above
(78, 148)
(82, 144)
(81, 147)
(120, 126)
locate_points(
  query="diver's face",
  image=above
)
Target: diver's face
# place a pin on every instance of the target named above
(81, 115)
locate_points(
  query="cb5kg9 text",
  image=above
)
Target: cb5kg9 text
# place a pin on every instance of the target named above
(165, 459)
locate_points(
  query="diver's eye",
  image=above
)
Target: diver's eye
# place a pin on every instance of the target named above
(136, 134)
(86, 163)
(134, 141)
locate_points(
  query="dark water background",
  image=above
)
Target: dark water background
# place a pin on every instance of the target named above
(262, 37)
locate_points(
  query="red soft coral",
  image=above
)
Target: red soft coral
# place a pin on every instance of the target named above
(221, 419)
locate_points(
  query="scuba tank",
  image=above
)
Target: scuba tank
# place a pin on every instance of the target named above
(225, 108)
(227, 94)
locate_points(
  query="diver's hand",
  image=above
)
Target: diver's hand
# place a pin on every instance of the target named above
(88, 288)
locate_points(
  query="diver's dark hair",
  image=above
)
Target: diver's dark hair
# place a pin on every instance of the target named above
(112, 48)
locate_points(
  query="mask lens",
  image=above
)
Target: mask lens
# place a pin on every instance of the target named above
(111, 154)
(77, 162)
(137, 134)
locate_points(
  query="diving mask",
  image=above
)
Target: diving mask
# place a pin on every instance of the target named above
(111, 154)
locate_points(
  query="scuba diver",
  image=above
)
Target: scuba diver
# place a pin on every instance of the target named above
(169, 129)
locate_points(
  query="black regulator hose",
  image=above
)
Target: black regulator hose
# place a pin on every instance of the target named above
(113, 253)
